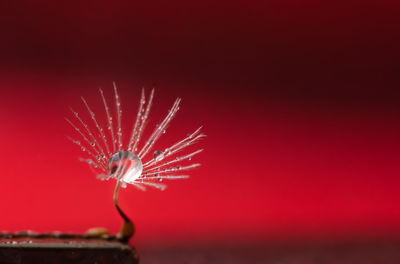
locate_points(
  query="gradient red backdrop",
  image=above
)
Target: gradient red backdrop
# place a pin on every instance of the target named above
(299, 99)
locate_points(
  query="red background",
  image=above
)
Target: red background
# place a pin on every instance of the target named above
(299, 100)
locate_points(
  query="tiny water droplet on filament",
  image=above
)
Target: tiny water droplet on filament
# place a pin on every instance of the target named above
(158, 155)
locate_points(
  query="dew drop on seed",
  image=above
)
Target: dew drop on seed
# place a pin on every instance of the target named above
(125, 165)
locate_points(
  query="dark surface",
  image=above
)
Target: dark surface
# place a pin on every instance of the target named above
(28, 250)
(101, 251)
(365, 252)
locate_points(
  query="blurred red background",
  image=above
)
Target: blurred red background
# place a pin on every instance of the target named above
(299, 100)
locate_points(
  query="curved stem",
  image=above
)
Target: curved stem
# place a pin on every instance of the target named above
(127, 229)
(123, 215)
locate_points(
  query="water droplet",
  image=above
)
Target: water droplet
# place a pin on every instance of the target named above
(125, 165)
(158, 155)
(164, 131)
(167, 151)
(83, 149)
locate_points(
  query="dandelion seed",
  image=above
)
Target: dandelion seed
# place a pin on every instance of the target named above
(127, 166)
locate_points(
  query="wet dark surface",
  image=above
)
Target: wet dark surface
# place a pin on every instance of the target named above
(53, 250)
(366, 252)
